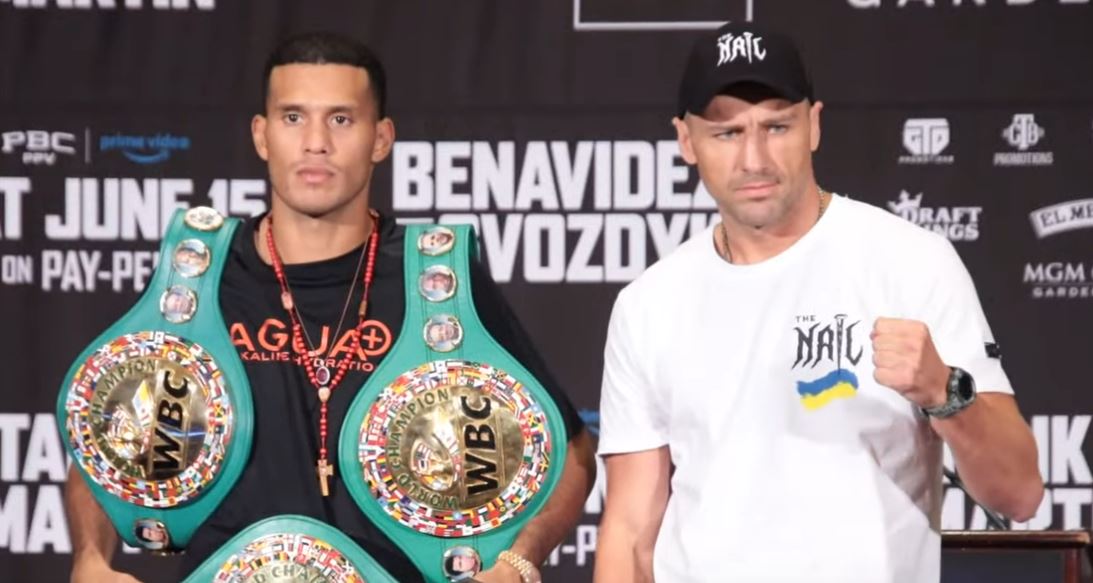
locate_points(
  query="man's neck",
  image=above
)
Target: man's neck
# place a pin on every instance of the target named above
(304, 239)
(748, 245)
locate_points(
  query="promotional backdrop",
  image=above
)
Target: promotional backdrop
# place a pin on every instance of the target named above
(546, 123)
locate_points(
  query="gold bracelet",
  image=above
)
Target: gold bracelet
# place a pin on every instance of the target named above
(528, 572)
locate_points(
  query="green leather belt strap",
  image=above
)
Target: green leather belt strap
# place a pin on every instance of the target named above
(157, 410)
(290, 548)
(451, 446)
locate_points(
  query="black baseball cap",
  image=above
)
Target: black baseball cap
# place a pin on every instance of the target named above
(741, 52)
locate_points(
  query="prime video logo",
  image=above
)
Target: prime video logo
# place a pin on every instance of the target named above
(145, 149)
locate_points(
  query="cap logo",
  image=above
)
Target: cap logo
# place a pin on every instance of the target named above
(743, 46)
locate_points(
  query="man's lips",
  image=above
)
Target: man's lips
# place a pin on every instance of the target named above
(756, 187)
(314, 174)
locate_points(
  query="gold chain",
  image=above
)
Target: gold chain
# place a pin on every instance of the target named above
(825, 199)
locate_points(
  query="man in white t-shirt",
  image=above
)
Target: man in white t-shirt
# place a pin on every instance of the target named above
(799, 364)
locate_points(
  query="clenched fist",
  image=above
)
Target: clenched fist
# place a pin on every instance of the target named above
(906, 361)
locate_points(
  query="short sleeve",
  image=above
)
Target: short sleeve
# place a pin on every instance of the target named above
(958, 325)
(632, 417)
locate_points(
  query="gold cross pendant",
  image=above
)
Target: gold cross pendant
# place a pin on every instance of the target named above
(325, 471)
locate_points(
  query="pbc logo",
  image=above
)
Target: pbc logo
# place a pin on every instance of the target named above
(745, 46)
(925, 139)
(38, 147)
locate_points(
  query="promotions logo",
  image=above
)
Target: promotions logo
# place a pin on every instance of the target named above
(151, 149)
(1062, 217)
(1022, 134)
(925, 140)
(1059, 279)
(956, 223)
(38, 147)
(832, 343)
(113, 4)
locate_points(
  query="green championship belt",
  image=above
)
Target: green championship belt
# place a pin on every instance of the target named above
(290, 548)
(451, 446)
(157, 411)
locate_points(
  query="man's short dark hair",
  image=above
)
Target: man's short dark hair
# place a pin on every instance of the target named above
(327, 48)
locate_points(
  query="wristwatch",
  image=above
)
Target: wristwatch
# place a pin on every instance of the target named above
(528, 572)
(959, 394)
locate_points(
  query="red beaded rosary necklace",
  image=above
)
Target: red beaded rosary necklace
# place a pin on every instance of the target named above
(319, 374)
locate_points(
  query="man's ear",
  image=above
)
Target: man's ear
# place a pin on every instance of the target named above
(258, 135)
(683, 136)
(814, 125)
(385, 140)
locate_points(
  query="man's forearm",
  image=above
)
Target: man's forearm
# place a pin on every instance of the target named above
(93, 536)
(995, 454)
(566, 504)
(620, 555)
(637, 498)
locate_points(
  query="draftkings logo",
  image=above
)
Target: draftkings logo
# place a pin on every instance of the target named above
(113, 4)
(38, 147)
(1059, 279)
(956, 223)
(1023, 133)
(1062, 217)
(834, 342)
(925, 140)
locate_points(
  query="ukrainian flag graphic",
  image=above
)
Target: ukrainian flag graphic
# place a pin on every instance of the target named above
(837, 384)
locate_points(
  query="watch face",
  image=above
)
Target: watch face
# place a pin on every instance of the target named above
(965, 386)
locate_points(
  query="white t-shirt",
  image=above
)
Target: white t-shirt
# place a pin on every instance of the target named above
(791, 462)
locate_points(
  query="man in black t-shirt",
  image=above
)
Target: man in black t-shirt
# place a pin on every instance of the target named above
(292, 284)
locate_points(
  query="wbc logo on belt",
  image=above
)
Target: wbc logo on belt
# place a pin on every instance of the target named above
(143, 419)
(149, 418)
(454, 448)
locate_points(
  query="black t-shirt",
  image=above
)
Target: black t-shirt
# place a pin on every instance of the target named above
(280, 477)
